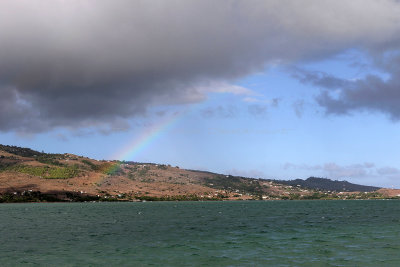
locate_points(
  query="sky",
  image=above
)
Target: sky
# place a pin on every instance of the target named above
(275, 89)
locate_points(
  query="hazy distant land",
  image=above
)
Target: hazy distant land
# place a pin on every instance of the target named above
(30, 176)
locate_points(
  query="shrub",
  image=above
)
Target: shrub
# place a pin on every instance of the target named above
(91, 165)
(49, 160)
(162, 167)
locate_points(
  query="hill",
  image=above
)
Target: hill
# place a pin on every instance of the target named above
(29, 175)
(329, 185)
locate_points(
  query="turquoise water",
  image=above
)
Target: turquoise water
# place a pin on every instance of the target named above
(274, 233)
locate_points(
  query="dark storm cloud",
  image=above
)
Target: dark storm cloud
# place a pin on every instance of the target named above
(369, 94)
(317, 78)
(88, 63)
(372, 93)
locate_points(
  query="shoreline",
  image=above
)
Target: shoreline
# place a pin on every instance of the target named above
(220, 200)
(31, 196)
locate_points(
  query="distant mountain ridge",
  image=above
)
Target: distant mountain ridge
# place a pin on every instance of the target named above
(326, 184)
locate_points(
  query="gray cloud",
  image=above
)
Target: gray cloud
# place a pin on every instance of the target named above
(226, 112)
(257, 109)
(232, 111)
(298, 107)
(372, 93)
(275, 102)
(318, 78)
(369, 94)
(388, 171)
(61, 137)
(90, 63)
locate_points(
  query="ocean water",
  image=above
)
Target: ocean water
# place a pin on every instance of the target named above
(254, 233)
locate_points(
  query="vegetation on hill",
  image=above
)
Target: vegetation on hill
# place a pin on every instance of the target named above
(47, 171)
(6, 164)
(234, 183)
(20, 151)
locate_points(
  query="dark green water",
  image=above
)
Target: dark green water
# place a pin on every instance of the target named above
(276, 233)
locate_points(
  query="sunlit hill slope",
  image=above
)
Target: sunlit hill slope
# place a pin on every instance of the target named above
(28, 175)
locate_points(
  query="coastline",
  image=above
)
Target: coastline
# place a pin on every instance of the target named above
(65, 197)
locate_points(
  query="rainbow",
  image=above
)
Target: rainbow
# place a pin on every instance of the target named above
(132, 149)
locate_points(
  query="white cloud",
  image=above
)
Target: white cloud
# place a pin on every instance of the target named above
(222, 87)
